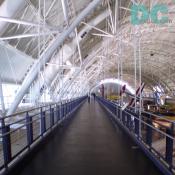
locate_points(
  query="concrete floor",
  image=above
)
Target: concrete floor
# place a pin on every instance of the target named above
(89, 145)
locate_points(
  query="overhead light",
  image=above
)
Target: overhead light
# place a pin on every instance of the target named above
(117, 81)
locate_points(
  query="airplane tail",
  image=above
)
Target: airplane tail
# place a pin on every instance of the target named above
(123, 89)
(138, 94)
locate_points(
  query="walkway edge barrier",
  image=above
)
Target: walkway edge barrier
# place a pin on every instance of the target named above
(128, 121)
(33, 126)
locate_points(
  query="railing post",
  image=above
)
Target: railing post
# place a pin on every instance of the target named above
(136, 122)
(62, 109)
(6, 142)
(51, 116)
(115, 112)
(149, 131)
(128, 121)
(43, 122)
(29, 127)
(169, 145)
(123, 117)
(119, 113)
(66, 109)
(58, 112)
(69, 107)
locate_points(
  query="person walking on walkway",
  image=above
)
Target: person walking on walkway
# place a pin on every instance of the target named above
(94, 96)
(89, 99)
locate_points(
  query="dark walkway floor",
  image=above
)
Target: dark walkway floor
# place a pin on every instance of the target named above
(90, 145)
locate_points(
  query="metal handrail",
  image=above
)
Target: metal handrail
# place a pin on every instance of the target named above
(132, 122)
(37, 125)
(33, 109)
(143, 112)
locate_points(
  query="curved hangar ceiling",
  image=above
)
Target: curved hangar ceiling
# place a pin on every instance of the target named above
(104, 45)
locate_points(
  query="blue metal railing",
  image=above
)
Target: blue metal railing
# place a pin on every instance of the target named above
(21, 131)
(152, 133)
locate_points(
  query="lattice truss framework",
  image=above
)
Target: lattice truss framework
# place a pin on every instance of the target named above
(104, 45)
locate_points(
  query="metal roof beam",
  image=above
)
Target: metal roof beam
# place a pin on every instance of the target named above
(13, 8)
(45, 57)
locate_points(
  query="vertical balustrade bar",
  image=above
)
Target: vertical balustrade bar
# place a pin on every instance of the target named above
(69, 107)
(43, 122)
(123, 117)
(118, 113)
(6, 142)
(149, 131)
(66, 108)
(63, 111)
(29, 127)
(129, 121)
(58, 112)
(136, 122)
(52, 116)
(169, 145)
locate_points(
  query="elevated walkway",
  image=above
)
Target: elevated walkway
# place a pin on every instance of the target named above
(90, 145)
